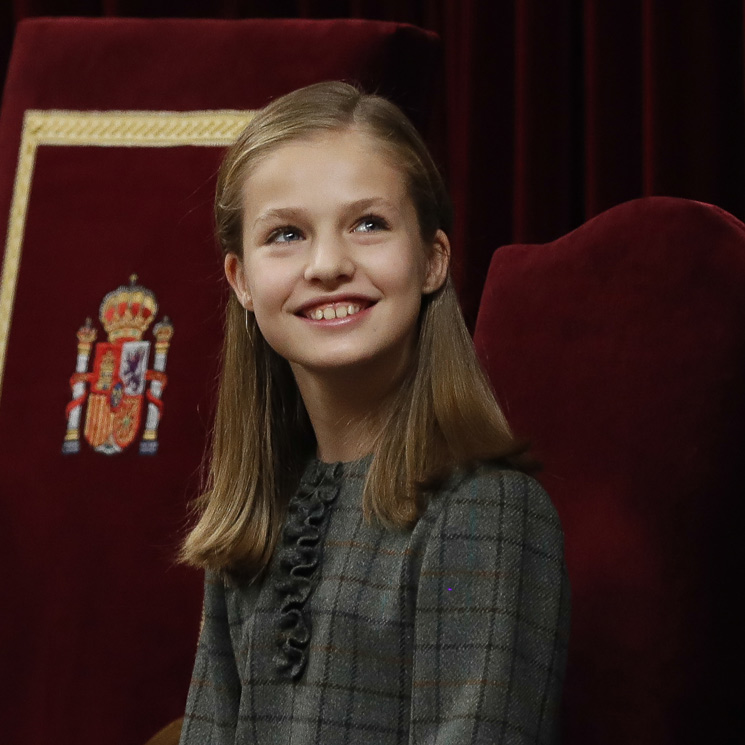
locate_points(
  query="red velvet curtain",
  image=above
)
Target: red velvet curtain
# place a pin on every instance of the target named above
(554, 110)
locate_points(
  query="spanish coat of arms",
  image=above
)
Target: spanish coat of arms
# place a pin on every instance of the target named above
(120, 386)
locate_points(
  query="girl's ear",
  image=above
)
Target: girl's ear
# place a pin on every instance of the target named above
(236, 277)
(437, 263)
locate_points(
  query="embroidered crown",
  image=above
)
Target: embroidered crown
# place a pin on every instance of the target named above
(127, 311)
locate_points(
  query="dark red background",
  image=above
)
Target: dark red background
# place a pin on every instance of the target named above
(619, 349)
(555, 110)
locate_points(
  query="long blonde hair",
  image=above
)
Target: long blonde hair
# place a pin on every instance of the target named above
(443, 415)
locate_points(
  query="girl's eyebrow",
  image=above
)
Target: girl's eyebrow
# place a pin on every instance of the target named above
(291, 213)
(370, 202)
(279, 213)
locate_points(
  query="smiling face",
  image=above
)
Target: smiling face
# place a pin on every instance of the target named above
(334, 265)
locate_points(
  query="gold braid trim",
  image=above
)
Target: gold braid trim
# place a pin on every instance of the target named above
(98, 129)
(135, 128)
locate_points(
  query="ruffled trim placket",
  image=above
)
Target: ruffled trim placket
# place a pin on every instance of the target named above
(299, 559)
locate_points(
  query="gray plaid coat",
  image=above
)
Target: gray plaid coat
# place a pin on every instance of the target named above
(453, 633)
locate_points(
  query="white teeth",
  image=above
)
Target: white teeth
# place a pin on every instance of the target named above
(329, 312)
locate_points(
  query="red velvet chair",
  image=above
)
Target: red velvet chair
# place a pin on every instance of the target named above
(620, 350)
(103, 422)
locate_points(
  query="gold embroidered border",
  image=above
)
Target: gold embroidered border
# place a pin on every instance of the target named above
(97, 129)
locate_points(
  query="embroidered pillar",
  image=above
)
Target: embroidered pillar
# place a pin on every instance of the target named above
(163, 332)
(86, 337)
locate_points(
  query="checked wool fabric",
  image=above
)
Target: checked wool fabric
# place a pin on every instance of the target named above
(454, 632)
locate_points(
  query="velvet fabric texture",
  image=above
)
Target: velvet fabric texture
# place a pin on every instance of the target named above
(554, 111)
(99, 627)
(618, 349)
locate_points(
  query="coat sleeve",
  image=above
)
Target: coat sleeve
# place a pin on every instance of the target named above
(215, 690)
(492, 616)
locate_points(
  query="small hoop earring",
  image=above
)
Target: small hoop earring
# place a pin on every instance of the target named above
(246, 318)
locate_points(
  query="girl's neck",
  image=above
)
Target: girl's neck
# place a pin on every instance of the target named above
(345, 410)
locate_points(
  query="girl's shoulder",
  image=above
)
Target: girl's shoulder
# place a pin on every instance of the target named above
(494, 497)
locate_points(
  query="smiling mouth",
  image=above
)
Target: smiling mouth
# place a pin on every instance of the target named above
(334, 310)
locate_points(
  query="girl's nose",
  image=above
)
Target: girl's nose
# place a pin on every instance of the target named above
(329, 260)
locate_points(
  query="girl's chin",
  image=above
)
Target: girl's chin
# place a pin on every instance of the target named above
(353, 369)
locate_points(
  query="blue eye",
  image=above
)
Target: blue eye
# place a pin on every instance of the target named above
(370, 224)
(287, 234)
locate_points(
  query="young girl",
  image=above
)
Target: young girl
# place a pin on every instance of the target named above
(379, 568)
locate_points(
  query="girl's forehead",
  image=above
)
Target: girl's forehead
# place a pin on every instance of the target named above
(364, 137)
(347, 144)
(334, 140)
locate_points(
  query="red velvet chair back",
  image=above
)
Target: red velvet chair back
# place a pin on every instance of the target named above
(103, 423)
(620, 350)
